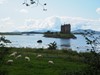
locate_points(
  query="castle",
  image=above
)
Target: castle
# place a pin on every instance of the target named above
(66, 28)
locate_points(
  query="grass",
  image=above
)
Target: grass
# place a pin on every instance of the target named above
(65, 62)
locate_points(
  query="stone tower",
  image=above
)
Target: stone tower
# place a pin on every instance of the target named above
(66, 28)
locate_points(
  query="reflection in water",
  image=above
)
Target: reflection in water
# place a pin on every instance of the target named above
(65, 43)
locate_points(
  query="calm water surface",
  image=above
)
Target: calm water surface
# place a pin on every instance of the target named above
(78, 44)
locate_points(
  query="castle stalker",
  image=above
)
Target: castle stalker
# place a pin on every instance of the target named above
(66, 28)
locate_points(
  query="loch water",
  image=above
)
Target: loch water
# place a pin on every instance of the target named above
(30, 41)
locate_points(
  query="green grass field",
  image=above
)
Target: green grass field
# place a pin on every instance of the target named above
(65, 62)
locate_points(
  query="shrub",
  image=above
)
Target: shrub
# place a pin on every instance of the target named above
(52, 45)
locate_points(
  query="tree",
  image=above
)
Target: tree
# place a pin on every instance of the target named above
(3, 53)
(34, 3)
(4, 41)
(3, 48)
(92, 40)
(92, 58)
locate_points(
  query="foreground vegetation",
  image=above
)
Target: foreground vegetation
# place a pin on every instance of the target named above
(66, 62)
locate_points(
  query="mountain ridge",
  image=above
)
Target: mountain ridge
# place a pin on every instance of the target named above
(79, 31)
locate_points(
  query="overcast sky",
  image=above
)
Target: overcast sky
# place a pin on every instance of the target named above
(81, 14)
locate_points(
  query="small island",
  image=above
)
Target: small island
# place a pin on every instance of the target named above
(64, 33)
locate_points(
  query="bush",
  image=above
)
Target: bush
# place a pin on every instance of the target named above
(52, 45)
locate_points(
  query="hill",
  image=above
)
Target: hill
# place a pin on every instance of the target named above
(80, 31)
